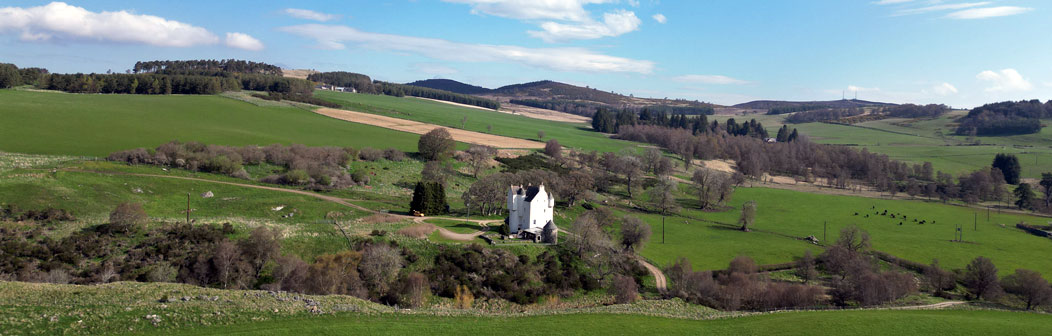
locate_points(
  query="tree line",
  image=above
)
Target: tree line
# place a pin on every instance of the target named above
(363, 84)
(795, 108)
(11, 75)
(188, 66)
(823, 115)
(915, 111)
(149, 83)
(607, 121)
(1005, 118)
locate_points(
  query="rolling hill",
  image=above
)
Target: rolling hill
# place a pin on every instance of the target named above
(451, 86)
(843, 103)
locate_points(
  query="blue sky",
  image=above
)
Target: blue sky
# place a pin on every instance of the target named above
(961, 53)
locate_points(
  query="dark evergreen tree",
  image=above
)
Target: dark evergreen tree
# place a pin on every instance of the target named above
(1009, 166)
(793, 136)
(429, 198)
(1024, 196)
(783, 134)
(603, 121)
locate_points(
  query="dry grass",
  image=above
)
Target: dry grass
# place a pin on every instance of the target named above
(380, 218)
(420, 231)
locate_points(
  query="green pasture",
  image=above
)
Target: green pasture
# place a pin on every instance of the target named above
(96, 125)
(860, 322)
(785, 217)
(574, 135)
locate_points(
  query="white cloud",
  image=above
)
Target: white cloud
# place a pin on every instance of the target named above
(944, 89)
(1007, 80)
(891, 2)
(614, 23)
(559, 20)
(936, 8)
(561, 59)
(988, 12)
(568, 10)
(709, 79)
(660, 18)
(434, 69)
(243, 41)
(307, 14)
(60, 21)
(852, 88)
(633, 3)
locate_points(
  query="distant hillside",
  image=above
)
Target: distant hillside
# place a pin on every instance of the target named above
(451, 86)
(585, 100)
(845, 103)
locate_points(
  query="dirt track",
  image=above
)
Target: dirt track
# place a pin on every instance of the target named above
(416, 127)
(659, 277)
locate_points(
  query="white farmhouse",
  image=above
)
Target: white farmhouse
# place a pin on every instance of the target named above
(530, 211)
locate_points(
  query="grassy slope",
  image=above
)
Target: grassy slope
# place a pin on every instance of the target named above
(870, 322)
(569, 134)
(95, 125)
(784, 216)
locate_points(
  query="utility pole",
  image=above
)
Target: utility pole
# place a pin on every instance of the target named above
(187, 208)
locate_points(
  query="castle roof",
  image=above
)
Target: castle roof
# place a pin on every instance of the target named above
(532, 191)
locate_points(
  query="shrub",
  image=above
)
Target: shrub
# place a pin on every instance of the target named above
(370, 154)
(379, 268)
(414, 290)
(394, 155)
(360, 176)
(126, 217)
(463, 299)
(297, 177)
(625, 289)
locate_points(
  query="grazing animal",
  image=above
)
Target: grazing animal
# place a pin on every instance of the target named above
(900, 223)
(856, 214)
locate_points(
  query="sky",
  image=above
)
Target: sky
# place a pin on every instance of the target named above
(960, 53)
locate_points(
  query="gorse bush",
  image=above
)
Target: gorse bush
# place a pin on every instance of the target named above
(314, 167)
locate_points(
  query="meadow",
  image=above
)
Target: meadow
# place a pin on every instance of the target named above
(924, 140)
(711, 239)
(96, 125)
(867, 322)
(573, 135)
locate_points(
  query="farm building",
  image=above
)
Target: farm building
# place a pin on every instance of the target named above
(530, 212)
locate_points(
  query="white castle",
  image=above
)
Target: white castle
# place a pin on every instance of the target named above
(530, 212)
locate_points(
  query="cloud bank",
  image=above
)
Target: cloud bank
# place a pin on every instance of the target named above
(561, 59)
(58, 21)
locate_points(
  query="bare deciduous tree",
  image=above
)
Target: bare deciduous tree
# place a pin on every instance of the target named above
(634, 233)
(748, 215)
(853, 238)
(479, 157)
(662, 196)
(379, 267)
(980, 277)
(625, 289)
(1029, 286)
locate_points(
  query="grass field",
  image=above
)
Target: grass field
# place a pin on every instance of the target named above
(569, 134)
(897, 323)
(128, 308)
(925, 140)
(96, 125)
(785, 217)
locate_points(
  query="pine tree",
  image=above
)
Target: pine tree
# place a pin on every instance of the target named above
(793, 136)
(1024, 197)
(1009, 166)
(783, 134)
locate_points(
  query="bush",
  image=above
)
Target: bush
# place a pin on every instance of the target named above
(370, 154)
(297, 177)
(126, 217)
(463, 299)
(360, 176)
(394, 155)
(625, 289)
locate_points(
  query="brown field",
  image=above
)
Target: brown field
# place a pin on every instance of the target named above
(539, 113)
(416, 127)
(296, 73)
(453, 103)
